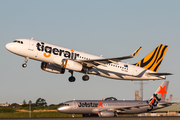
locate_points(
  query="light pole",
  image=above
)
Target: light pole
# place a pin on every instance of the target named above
(30, 102)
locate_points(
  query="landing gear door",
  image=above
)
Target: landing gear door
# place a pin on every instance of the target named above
(31, 45)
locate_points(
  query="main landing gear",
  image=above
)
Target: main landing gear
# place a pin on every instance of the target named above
(72, 78)
(25, 64)
(86, 77)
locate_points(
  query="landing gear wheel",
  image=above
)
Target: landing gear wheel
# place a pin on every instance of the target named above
(24, 65)
(72, 79)
(85, 77)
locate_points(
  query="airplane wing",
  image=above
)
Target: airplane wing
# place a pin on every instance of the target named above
(103, 62)
(127, 108)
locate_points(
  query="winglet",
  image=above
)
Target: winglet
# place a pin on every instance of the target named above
(136, 52)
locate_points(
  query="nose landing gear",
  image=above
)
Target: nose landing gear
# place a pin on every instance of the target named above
(25, 64)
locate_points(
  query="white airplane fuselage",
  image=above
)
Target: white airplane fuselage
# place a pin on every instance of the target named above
(49, 53)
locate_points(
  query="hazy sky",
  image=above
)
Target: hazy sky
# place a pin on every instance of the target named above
(111, 28)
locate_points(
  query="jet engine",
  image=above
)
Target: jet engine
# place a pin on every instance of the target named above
(107, 114)
(71, 65)
(52, 68)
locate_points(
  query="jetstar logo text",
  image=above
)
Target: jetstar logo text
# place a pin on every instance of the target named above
(86, 104)
(49, 50)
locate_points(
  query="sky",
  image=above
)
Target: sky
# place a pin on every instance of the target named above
(111, 28)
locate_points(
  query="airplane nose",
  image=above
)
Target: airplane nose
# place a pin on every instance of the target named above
(61, 109)
(10, 46)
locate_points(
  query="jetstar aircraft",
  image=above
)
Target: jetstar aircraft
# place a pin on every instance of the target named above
(56, 59)
(106, 108)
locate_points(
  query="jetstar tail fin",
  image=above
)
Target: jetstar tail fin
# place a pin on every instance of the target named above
(153, 60)
(160, 94)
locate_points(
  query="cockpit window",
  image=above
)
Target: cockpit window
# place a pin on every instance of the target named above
(65, 104)
(21, 42)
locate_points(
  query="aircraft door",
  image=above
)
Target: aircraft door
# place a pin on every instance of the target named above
(74, 104)
(31, 45)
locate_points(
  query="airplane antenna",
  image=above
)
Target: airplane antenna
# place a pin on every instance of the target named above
(32, 38)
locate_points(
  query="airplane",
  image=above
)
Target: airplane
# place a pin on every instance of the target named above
(111, 108)
(56, 59)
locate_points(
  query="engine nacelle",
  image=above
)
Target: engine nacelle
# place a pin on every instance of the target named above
(52, 68)
(71, 65)
(107, 114)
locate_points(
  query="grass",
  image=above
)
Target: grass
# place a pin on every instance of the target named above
(6, 110)
(36, 115)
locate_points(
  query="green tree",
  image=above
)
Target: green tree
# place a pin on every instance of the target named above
(24, 102)
(41, 101)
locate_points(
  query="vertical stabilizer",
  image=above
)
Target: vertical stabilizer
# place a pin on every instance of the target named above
(153, 60)
(160, 94)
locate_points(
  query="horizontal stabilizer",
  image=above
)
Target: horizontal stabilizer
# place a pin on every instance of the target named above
(158, 74)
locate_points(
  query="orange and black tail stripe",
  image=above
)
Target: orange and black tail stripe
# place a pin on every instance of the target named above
(153, 60)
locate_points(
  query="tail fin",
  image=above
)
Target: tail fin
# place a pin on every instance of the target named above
(153, 60)
(160, 94)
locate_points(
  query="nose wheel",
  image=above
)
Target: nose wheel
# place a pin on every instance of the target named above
(25, 64)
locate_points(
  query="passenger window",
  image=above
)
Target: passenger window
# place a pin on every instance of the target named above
(21, 42)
